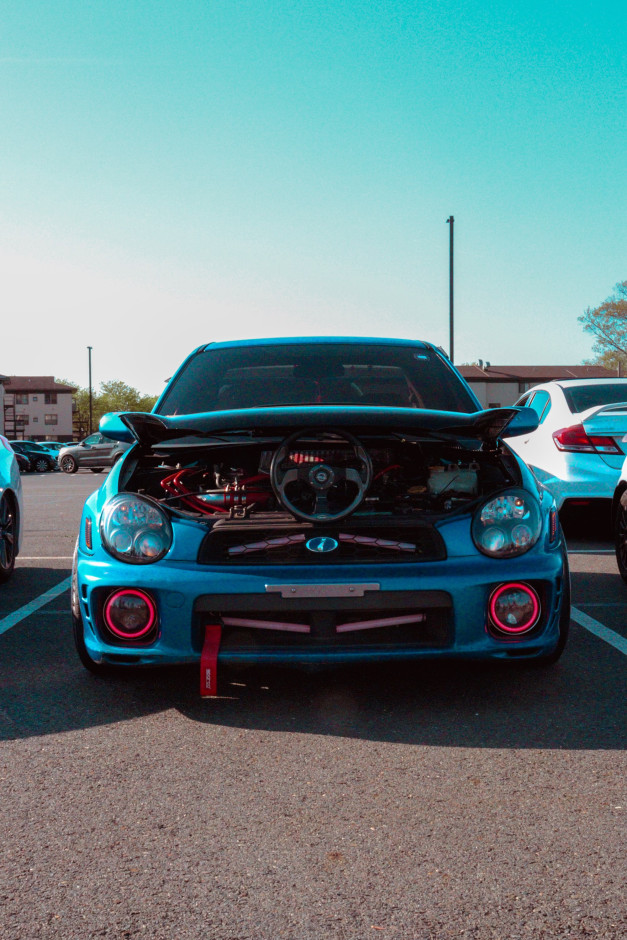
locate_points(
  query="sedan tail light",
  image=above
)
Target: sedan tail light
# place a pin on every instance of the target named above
(576, 440)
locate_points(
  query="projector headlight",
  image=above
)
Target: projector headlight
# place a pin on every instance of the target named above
(135, 529)
(507, 525)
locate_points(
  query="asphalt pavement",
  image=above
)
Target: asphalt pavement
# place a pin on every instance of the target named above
(413, 803)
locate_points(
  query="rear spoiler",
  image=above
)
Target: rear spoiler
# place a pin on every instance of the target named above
(152, 429)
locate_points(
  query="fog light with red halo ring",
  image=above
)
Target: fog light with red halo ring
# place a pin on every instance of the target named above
(512, 614)
(130, 614)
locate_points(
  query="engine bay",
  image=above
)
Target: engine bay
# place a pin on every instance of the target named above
(319, 477)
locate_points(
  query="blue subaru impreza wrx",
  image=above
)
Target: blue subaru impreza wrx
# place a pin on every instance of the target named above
(318, 500)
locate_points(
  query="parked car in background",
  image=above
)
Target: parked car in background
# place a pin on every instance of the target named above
(96, 452)
(44, 447)
(318, 501)
(56, 446)
(39, 461)
(11, 509)
(577, 450)
(22, 462)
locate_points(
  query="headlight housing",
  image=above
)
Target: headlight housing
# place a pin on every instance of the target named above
(507, 525)
(135, 529)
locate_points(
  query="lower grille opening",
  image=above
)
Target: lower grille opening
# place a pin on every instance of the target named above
(319, 630)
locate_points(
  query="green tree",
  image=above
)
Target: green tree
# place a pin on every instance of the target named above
(113, 395)
(608, 324)
(117, 396)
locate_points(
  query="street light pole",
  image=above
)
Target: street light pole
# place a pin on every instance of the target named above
(90, 391)
(451, 222)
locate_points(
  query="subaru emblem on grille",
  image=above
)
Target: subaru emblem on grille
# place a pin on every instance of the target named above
(322, 544)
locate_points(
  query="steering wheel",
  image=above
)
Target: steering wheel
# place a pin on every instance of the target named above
(320, 479)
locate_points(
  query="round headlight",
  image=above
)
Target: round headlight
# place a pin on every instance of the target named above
(507, 525)
(135, 529)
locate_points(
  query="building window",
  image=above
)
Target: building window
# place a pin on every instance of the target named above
(522, 387)
(35, 398)
(21, 399)
(50, 398)
(494, 404)
(21, 420)
(35, 420)
(51, 419)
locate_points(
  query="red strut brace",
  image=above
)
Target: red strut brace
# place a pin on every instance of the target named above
(209, 660)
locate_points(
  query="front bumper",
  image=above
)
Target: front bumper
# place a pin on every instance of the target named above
(441, 609)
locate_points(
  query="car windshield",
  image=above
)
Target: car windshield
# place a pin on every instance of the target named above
(236, 377)
(581, 397)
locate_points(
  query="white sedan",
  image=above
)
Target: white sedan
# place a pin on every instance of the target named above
(577, 450)
(10, 509)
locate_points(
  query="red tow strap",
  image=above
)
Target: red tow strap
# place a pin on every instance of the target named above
(209, 660)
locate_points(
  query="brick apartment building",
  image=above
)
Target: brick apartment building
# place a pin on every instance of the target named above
(35, 408)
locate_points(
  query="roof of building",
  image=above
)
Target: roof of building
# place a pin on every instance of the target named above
(36, 383)
(534, 374)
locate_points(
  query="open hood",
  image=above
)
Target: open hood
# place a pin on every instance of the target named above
(152, 429)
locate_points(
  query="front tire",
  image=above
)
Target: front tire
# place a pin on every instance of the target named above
(98, 669)
(620, 539)
(69, 464)
(8, 537)
(564, 626)
(41, 465)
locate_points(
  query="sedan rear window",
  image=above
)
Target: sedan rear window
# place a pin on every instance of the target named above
(581, 397)
(219, 379)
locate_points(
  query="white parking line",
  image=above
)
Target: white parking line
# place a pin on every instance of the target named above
(599, 629)
(591, 551)
(45, 557)
(18, 615)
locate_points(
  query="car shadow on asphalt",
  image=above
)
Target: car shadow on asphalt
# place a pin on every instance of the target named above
(579, 703)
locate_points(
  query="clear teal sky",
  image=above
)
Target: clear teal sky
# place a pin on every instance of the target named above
(177, 171)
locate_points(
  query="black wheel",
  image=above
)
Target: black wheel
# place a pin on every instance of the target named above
(564, 626)
(69, 464)
(96, 469)
(78, 631)
(41, 464)
(8, 537)
(98, 669)
(620, 540)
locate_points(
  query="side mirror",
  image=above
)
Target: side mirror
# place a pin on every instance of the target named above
(111, 425)
(524, 421)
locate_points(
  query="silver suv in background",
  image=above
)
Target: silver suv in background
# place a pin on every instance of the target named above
(96, 453)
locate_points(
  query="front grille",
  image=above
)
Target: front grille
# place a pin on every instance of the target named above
(356, 541)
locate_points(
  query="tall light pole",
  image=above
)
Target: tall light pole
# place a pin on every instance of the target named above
(451, 222)
(89, 348)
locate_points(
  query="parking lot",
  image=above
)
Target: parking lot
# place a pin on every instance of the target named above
(414, 803)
